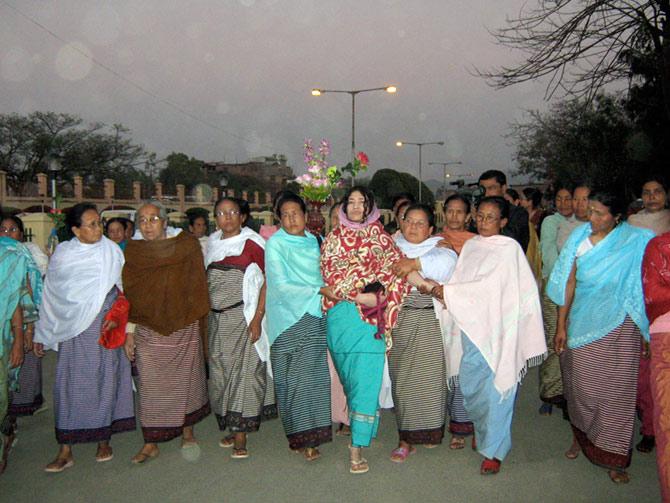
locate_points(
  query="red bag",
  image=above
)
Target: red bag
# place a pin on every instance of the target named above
(116, 337)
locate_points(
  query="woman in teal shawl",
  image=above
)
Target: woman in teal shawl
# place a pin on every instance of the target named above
(296, 330)
(597, 284)
(21, 283)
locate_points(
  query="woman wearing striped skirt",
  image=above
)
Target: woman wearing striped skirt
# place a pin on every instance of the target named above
(166, 286)
(28, 398)
(597, 283)
(297, 330)
(416, 360)
(93, 396)
(242, 394)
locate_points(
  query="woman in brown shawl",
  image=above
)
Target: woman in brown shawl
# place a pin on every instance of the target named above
(166, 286)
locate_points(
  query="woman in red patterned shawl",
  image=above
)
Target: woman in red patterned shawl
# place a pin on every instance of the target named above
(362, 309)
(656, 285)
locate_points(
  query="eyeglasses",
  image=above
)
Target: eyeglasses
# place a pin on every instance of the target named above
(486, 218)
(5, 230)
(418, 223)
(229, 213)
(93, 225)
(149, 220)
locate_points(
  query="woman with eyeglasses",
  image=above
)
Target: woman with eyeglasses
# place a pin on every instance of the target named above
(28, 397)
(242, 394)
(496, 334)
(20, 297)
(82, 303)
(597, 284)
(166, 286)
(416, 360)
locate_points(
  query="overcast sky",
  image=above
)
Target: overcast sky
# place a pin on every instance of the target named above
(244, 69)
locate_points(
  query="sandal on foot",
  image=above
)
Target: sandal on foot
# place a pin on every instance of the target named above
(545, 409)
(573, 452)
(344, 430)
(104, 454)
(359, 466)
(188, 444)
(490, 466)
(239, 453)
(430, 446)
(142, 457)
(457, 442)
(400, 454)
(311, 453)
(647, 443)
(618, 477)
(227, 442)
(59, 465)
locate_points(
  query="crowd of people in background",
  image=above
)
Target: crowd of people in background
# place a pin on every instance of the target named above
(439, 324)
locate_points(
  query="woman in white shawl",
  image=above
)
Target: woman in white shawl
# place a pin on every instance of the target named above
(493, 308)
(93, 395)
(240, 391)
(416, 360)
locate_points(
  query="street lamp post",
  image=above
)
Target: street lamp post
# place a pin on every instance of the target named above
(54, 168)
(419, 144)
(353, 93)
(446, 175)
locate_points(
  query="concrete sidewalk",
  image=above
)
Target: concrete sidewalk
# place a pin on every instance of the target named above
(535, 470)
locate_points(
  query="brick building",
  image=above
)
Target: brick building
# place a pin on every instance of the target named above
(273, 171)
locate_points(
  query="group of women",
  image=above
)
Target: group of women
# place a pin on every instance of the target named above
(401, 311)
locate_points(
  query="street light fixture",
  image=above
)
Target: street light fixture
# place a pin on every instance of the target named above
(446, 175)
(419, 144)
(353, 93)
(54, 168)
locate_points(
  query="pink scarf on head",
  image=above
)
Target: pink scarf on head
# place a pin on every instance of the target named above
(372, 217)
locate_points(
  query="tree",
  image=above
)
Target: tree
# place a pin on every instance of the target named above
(577, 141)
(93, 151)
(183, 170)
(583, 45)
(386, 183)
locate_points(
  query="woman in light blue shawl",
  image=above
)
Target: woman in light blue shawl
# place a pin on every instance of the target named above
(19, 297)
(296, 330)
(597, 284)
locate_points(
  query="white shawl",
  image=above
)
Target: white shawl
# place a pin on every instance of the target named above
(492, 297)
(218, 249)
(78, 279)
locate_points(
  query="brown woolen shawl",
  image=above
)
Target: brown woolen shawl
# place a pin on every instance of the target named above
(165, 282)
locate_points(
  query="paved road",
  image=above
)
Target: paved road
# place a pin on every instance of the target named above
(535, 470)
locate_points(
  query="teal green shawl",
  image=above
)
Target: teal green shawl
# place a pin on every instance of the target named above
(293, 280)
(17, 267)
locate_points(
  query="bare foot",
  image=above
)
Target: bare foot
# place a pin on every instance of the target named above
(312, 454)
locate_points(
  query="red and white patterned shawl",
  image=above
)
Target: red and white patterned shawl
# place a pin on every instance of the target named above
(354, 258)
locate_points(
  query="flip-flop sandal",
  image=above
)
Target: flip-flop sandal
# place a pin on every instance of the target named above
(143, 457)
(457, 443)
(107, 457)
(573, 452)
(619, 477)
(400, 454)
(227, 441)
(59, 465)
(313, 454)
(359, 467)
(239, 453)
(490, 466)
